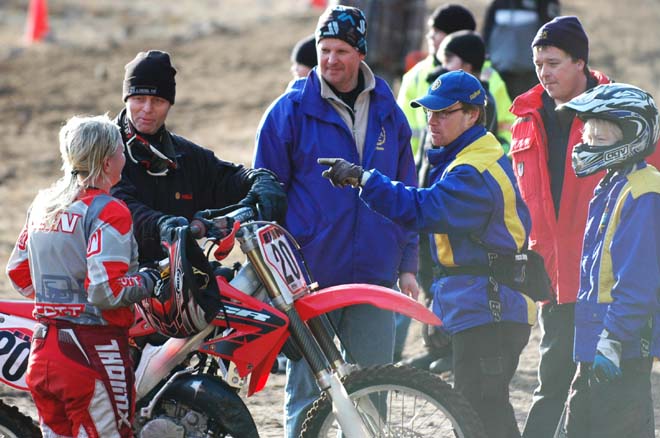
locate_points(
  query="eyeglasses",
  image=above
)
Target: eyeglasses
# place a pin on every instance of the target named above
(442, 115)
(140, 151)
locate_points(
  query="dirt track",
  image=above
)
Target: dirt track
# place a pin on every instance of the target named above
(232, 58)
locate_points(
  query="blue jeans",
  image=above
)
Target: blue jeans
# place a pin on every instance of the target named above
(366, 332)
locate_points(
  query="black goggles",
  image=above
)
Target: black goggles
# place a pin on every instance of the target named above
(140, 151)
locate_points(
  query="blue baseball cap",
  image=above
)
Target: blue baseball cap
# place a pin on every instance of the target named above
(451, 88)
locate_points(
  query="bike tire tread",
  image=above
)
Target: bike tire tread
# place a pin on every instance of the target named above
(404, 376)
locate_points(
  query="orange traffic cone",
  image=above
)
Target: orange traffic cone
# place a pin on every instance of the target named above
(319, 4)
(36, 27)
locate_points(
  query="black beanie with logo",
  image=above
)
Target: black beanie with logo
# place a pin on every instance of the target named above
(152, 74)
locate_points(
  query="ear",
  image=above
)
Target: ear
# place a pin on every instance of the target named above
(106, 164)
(474, 116)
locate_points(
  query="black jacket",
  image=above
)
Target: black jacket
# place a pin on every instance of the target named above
(200, 181)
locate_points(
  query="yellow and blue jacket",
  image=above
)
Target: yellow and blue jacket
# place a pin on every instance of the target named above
(472, 207)
(620, 268)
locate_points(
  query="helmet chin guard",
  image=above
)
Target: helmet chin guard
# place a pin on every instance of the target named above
(632, 109)
(194, 297)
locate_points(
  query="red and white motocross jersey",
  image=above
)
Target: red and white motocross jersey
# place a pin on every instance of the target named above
(85, 281)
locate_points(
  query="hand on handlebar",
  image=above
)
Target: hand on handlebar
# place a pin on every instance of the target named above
(222, 230)
(226, 239)
(167, 224)
(268, 194)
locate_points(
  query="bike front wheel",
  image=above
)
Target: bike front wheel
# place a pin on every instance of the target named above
(14, 424)
(399, 401)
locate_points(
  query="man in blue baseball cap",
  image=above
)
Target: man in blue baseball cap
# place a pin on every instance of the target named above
(478, 224)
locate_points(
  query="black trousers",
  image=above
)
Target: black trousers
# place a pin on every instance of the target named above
(485, 360)
(556, 370)
(622, 408)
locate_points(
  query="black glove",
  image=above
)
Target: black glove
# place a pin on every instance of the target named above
(153, 281)
(341, 172)
(268, 194)
(167, 224)
(218, 228)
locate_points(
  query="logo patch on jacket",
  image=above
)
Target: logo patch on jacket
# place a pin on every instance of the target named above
(184, 196)
(382, 138)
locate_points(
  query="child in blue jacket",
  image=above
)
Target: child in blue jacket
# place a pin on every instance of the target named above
(617, 314)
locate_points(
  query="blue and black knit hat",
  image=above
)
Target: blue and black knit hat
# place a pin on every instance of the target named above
(345, 23)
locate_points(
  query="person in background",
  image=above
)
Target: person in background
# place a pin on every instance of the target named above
(476, 220)
(341, 109)
(444, 20)
(617, 313)
(76, 256)
(303, 57)
(542, 141)
(465, 50)
(508, 29)
(396, 28)
(167, 178)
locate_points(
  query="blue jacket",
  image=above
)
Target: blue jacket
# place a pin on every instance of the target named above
(472, 207)
(343, 241)
(620, 269)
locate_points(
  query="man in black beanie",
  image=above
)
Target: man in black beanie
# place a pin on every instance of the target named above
(167, 178)
(542, 142)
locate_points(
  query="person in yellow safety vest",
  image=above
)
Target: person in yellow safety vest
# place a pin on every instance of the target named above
(443, 21)
(497, 88)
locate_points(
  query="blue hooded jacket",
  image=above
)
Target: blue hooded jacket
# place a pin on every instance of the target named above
(343, 241)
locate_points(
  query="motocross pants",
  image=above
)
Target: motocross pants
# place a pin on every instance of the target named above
(81, 379)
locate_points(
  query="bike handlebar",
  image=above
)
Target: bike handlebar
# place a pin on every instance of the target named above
(238, 212)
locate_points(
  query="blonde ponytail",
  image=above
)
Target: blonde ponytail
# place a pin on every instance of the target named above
(85, 143)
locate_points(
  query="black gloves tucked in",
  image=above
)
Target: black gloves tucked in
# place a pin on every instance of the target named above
(153, 281)
(267, 193)
(341, 172)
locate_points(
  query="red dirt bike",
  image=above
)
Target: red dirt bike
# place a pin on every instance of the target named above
(189, 387)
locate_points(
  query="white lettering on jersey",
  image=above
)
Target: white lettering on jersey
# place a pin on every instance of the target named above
(94, 243)
(67, 222)
(52, 310)
(116, 370)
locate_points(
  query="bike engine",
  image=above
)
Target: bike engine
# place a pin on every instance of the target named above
(162, 427)
(178, 422)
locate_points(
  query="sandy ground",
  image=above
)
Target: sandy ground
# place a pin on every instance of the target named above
(232, 59)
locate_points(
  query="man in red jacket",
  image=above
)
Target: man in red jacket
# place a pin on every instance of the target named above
(542, 142)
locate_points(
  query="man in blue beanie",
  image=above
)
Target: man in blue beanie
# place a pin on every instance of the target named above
(542, 141)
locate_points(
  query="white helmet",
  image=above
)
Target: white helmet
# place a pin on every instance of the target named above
(632, 109)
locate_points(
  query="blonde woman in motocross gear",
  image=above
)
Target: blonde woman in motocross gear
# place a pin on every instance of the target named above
(76, 256)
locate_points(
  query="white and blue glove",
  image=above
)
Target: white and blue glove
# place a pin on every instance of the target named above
(607, 363)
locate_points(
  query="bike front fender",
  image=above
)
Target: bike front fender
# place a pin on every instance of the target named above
(337, 297)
